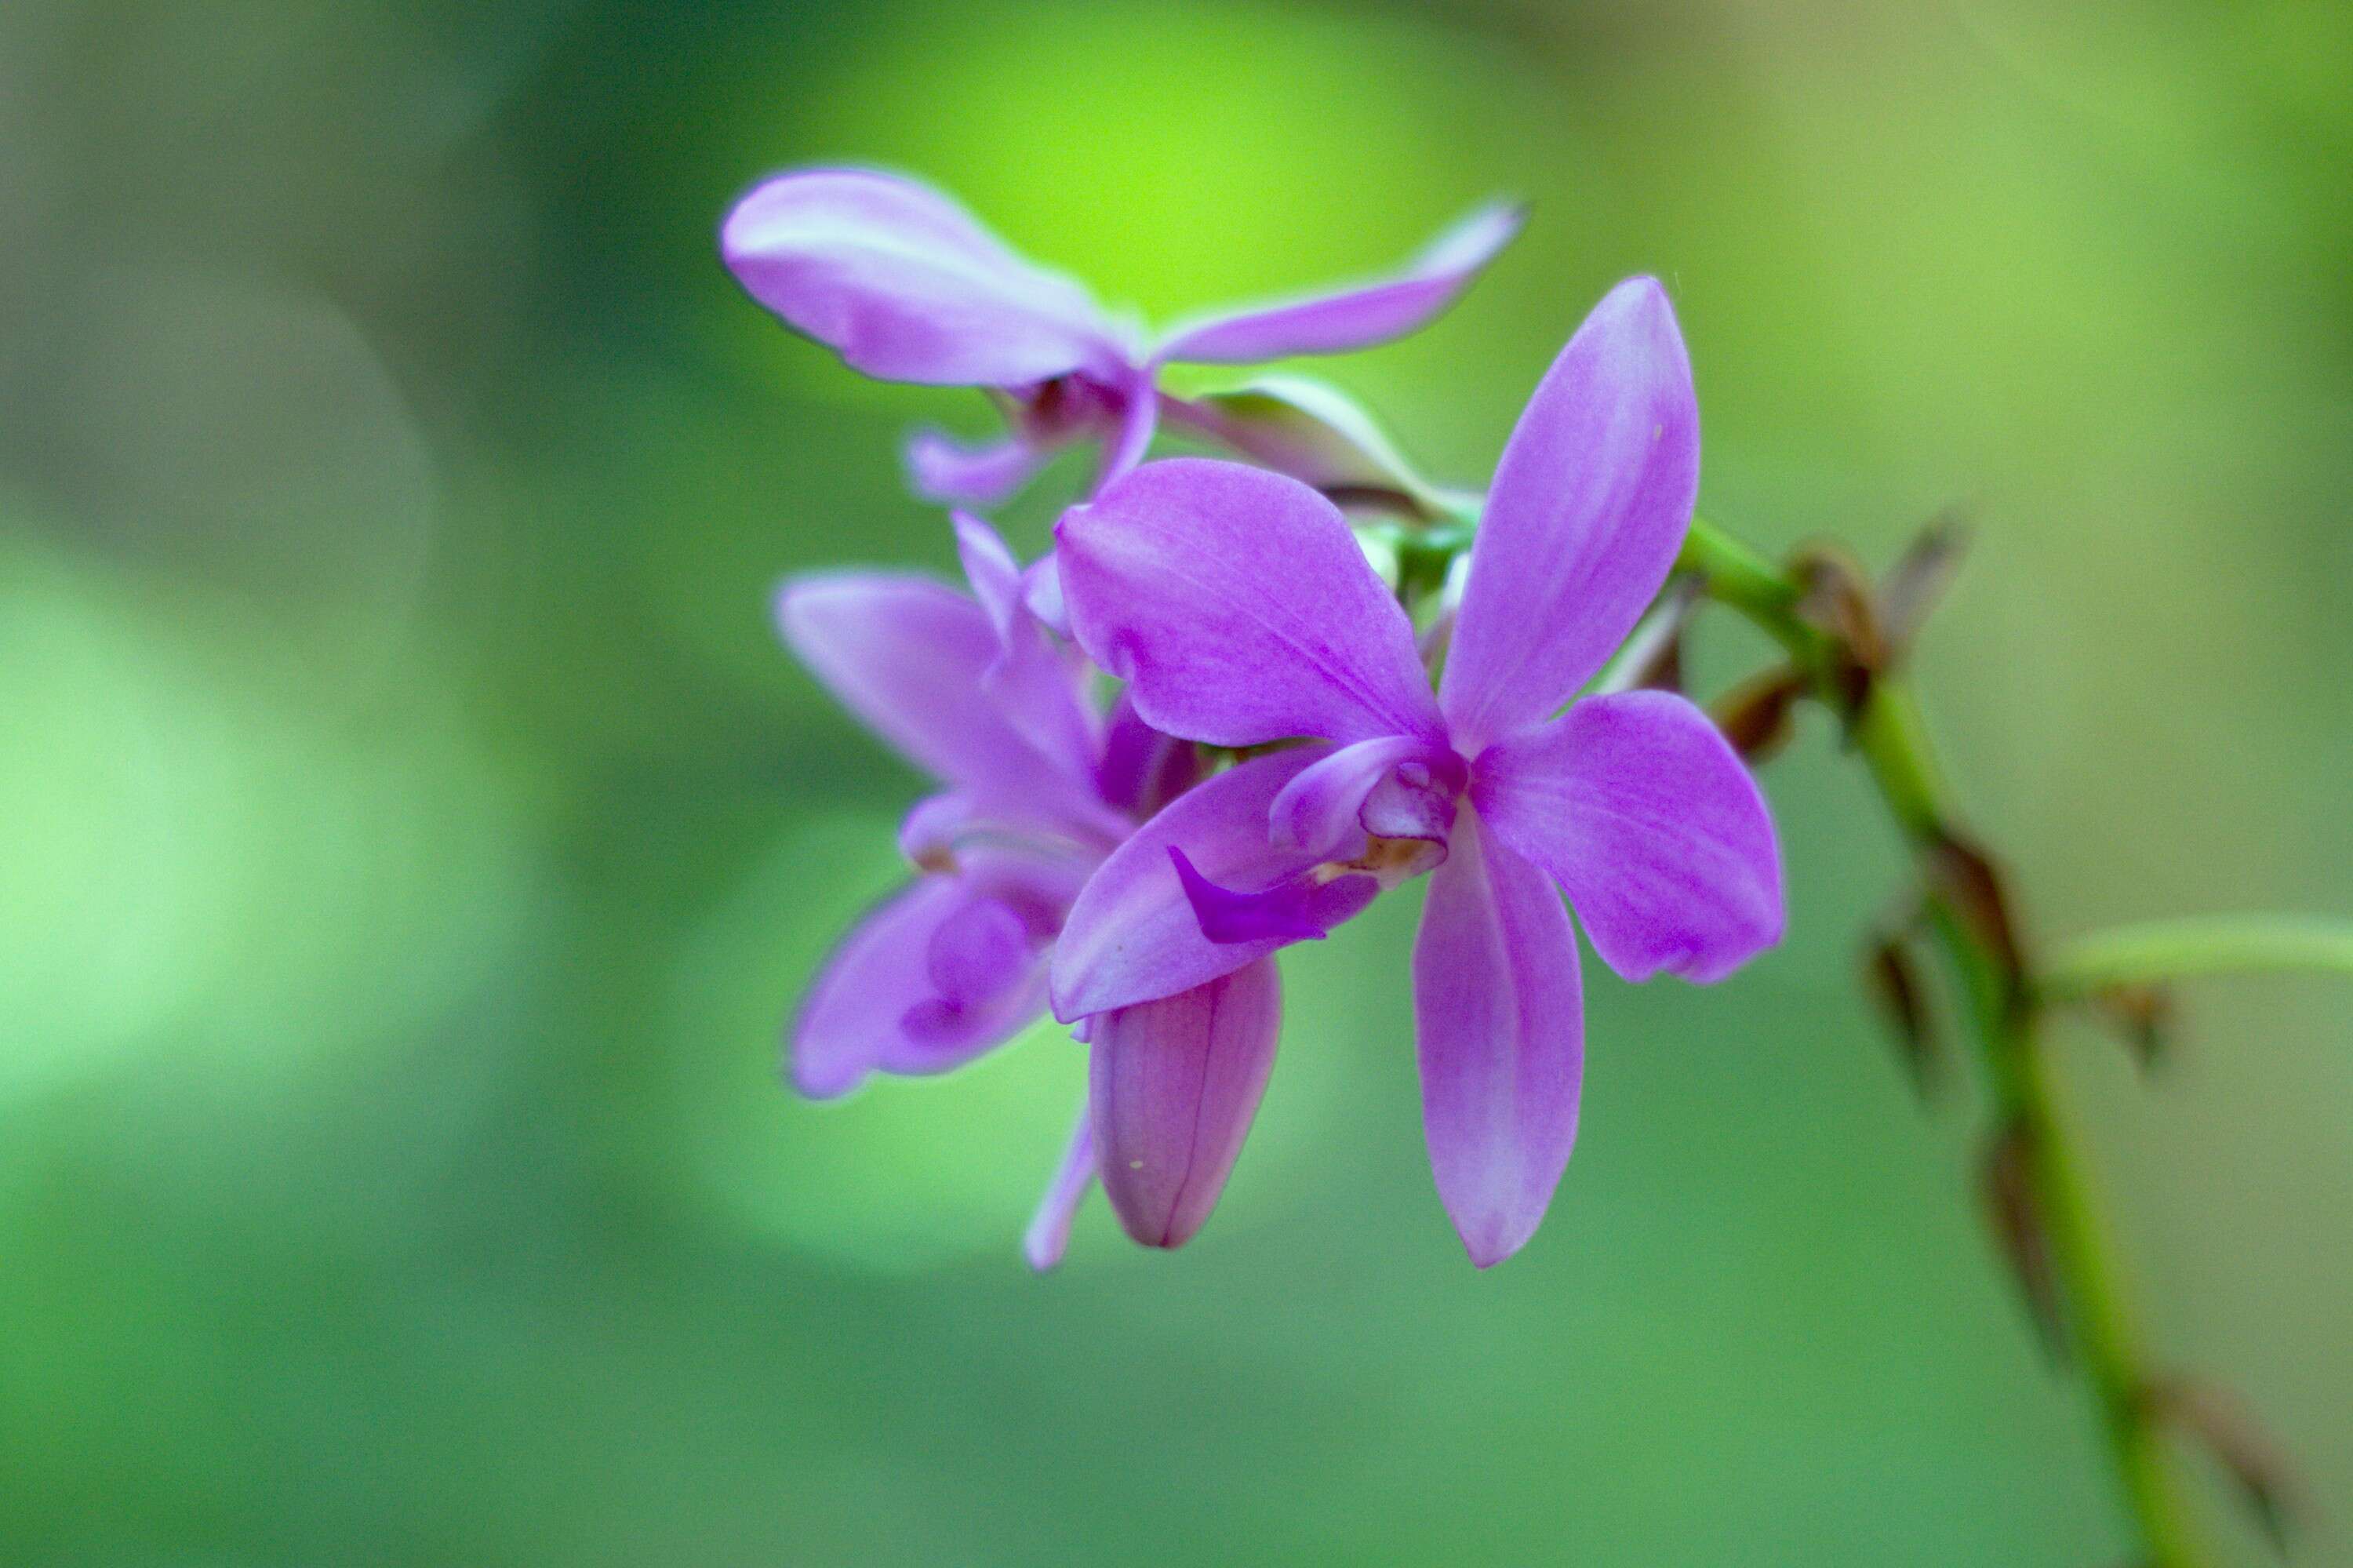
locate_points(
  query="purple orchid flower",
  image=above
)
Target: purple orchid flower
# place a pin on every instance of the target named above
(972, 690)
(907, 286)
(1237, 607)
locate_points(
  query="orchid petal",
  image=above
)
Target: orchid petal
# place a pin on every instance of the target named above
(1036, 683)
(1236, 604)
(855, 1020)
(1036, 878)
(1172, 1087)
(928, 833)
(1048, 1235)
(1590, 503)
(1041, 590)
(1342, 319)
(1132, 437)
(941, 468)
(1133, 935)
(1639, 808)
(1500, 1026)
(1143, 768)
(976, 951)
(907, 286)
(951, 829)
(908, 656)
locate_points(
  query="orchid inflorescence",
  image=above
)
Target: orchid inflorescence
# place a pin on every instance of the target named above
(1205, 725)
(1292, 735)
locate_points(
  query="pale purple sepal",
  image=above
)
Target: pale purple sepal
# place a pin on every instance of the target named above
(1591, 502)
(1034, 876)
(1048, 1235)
(1041, 590)
(1639, 809)
(941, 468)
(951, 829)
(909, 657)
(1239, 610)
(1139, 418)
(1172, 1087)
(1133, 935)
(1500, 1029)
(1337, 320)
(976, 954)
(929, 831)
(906, 655)
(875, 1005)
(907, 286)
(1035, 682)
(1143, 768)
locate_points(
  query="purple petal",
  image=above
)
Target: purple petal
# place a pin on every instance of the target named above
(1143, 768)
(1172, 1086)
(930, 830)
(907, 656)
(1590, 506)
(1501, 1030)
(954, 832)
(1132, 438)
(1237, 607)
(1133, 935)
(1050, 1229)
(1037, 879)
(906, 286)
(990, 566)
(1637, 805)
(976, 952)
(1342, 319)
(1300, 908)
(1041, 590)
(856, 1019)
(1321, 810)
(1037, 684)
(941, 468)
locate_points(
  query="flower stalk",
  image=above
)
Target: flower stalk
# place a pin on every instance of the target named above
(2087, 1315)
(2094, 1316)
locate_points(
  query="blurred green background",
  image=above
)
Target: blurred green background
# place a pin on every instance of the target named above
(411, 839)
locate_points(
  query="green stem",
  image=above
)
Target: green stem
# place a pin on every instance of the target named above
(2103, 1328)
(2178, 950)
(1892, 740)
(1737, 576)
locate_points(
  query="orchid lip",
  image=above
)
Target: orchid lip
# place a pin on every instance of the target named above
(1303, 907)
